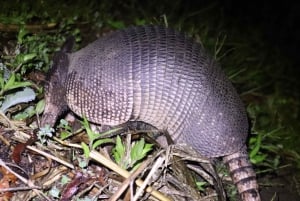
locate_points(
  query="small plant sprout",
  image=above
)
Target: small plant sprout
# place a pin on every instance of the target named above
(45, 132)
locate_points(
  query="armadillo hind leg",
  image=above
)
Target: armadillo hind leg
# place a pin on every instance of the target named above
(243, 175)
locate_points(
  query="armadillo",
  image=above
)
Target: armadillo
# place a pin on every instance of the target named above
(162, 77)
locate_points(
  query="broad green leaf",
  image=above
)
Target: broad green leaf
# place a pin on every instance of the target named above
(27, 113)
(28, 57)
(86, 149)
(119, 150)
(24, 96)
(21, 34)
(201, 185)
(10, 82)
(137, 150)
(101, 141)
(40, 106)
(147, 148)
(65, 135)
(91, 134)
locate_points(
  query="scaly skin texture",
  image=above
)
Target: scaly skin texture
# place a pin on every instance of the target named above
(161, 77)
(243, 175)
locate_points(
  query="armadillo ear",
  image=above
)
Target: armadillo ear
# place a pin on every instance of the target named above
(68, 44)
(59, 67)
(60, 59)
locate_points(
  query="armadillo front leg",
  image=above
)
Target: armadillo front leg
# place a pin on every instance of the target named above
(243, 175)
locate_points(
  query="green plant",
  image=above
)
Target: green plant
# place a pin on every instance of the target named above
(201, 185)
(66, 130)
(95, 139)
(29, 53)
(13, 91)
(12, 82)
(44, 133)
(137, 151)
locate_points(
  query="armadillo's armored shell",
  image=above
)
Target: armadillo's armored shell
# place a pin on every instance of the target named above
(161, 77)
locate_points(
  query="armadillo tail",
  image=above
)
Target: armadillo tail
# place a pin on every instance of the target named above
(243, 175)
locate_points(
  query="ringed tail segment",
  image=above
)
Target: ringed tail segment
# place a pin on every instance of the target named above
(243, 175)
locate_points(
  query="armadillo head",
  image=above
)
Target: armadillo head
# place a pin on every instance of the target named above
(55, 87)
